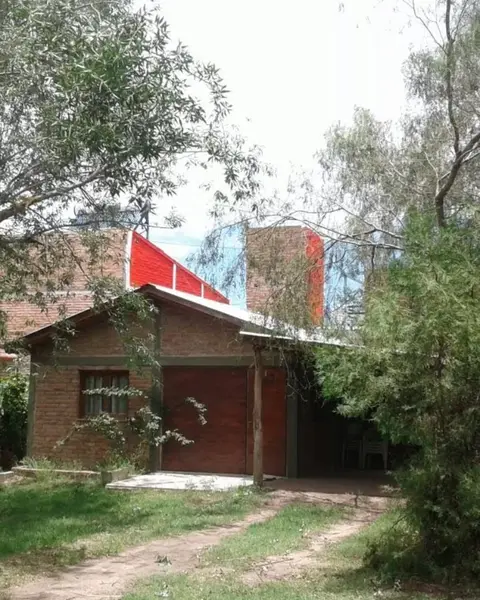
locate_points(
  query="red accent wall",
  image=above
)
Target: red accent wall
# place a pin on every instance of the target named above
(316, 277)
(212, 294)
(149, 264)
(186, 282)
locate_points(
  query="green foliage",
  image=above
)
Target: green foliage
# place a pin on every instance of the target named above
(146, 427)
(285, 532)
(51, 464)
(416, 373)
(100, 112)
(13, 418)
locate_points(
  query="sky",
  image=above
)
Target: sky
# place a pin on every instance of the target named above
(293, 69)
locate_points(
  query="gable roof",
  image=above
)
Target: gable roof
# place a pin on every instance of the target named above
(234, 315)
(251, 324)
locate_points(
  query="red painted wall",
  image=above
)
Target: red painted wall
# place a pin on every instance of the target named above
(149, 264)
(316, 276)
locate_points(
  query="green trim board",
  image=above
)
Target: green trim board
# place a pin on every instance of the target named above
(272, 360)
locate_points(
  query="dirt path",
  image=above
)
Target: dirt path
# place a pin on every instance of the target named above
(109, 578)
(288, 566)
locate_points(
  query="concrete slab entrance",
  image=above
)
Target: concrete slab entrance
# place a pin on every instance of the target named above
(182, 481)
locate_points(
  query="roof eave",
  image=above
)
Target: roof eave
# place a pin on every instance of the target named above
(39, 335)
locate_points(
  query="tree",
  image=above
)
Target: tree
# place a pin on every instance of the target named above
(398, 206)
(414, 371)
(97, 109)
(370, 175)
(13, 418)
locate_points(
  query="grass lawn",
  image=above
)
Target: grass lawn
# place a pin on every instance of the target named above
(339, 575)
(48, 524)
(286, 532)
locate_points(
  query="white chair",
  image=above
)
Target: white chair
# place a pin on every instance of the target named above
(370, 448)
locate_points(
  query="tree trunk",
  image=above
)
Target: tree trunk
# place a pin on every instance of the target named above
(257, 419)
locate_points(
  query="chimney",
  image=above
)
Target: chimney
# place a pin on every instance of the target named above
(285, 273)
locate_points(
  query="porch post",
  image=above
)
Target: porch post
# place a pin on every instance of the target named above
(257, 418)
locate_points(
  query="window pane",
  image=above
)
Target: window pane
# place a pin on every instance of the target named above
(119, 402)
(97, 403)
(93, 403)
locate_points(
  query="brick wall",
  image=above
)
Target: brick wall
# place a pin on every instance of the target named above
(148, 264)
(285, 272)
(78, 267)
(57, 395)
(190, 333)
(57, 407)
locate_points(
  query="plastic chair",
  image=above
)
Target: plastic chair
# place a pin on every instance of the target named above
(370, 448)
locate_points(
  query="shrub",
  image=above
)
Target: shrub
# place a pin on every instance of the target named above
(437, 534)
(415, 371)
(13, 419)
(129, 441)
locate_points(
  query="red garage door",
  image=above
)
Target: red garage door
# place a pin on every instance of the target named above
(220, 445)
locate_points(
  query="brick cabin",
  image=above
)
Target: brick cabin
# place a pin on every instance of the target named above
(204, 347)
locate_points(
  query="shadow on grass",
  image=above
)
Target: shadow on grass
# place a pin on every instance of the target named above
(358, 581)
(46, 514)
(45, 518)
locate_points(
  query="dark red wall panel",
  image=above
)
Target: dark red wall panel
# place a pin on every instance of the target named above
(219, 445)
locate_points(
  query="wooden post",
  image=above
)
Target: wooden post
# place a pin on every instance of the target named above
(257, 419)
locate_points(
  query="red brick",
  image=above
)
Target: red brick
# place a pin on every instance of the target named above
(285, 266)
(219, 445)
(224, 445)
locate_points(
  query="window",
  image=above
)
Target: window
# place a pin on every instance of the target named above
(94, 404)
